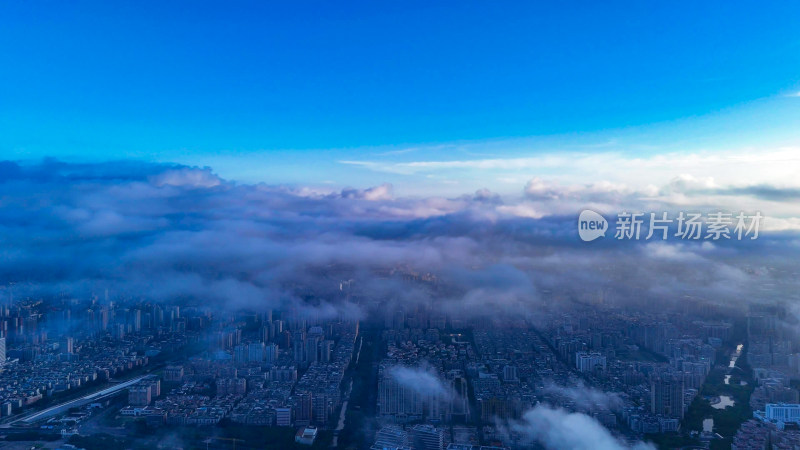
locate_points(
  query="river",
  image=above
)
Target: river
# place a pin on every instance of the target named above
(723, 401)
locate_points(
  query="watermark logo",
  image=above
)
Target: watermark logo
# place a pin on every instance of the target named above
(591, 225)
(686, 226)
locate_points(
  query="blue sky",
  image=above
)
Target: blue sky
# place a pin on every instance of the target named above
(290, 92)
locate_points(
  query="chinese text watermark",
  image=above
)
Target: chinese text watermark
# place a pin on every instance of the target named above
(660, 226)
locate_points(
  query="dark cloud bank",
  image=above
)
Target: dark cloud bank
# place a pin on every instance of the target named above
(156, 232)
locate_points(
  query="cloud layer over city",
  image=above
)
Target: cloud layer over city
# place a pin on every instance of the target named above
(158, 231)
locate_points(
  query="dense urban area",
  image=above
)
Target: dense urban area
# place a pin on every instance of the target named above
(97, 372)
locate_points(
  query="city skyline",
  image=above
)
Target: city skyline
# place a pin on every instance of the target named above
(399, 225)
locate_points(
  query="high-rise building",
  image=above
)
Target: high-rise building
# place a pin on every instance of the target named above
(119, 331)
(320, 408)
(231, 386)
(590, 361)
(315, 336)
(493, 407)
(240, 354)
(325, 351)
(154, 383)
(173, 374)
(67, 345)
(267, 334)
(255, 352)
(403, 402)
(271, 353)
(302, 408)
(299, 346)
(283, 416)
(427, 437)
(104, 315)
(666, 395)
(396, 400)
(312, 349)
(136, 317)
(510, 374)
(459, 404)
(139, 395)
(391, 437)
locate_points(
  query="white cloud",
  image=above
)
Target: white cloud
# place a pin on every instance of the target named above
(526, 210)
(422, 380)
(737, 167)
(555, 428)
(185, 176)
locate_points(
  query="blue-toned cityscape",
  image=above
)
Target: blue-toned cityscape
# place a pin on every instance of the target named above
(408, 225)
